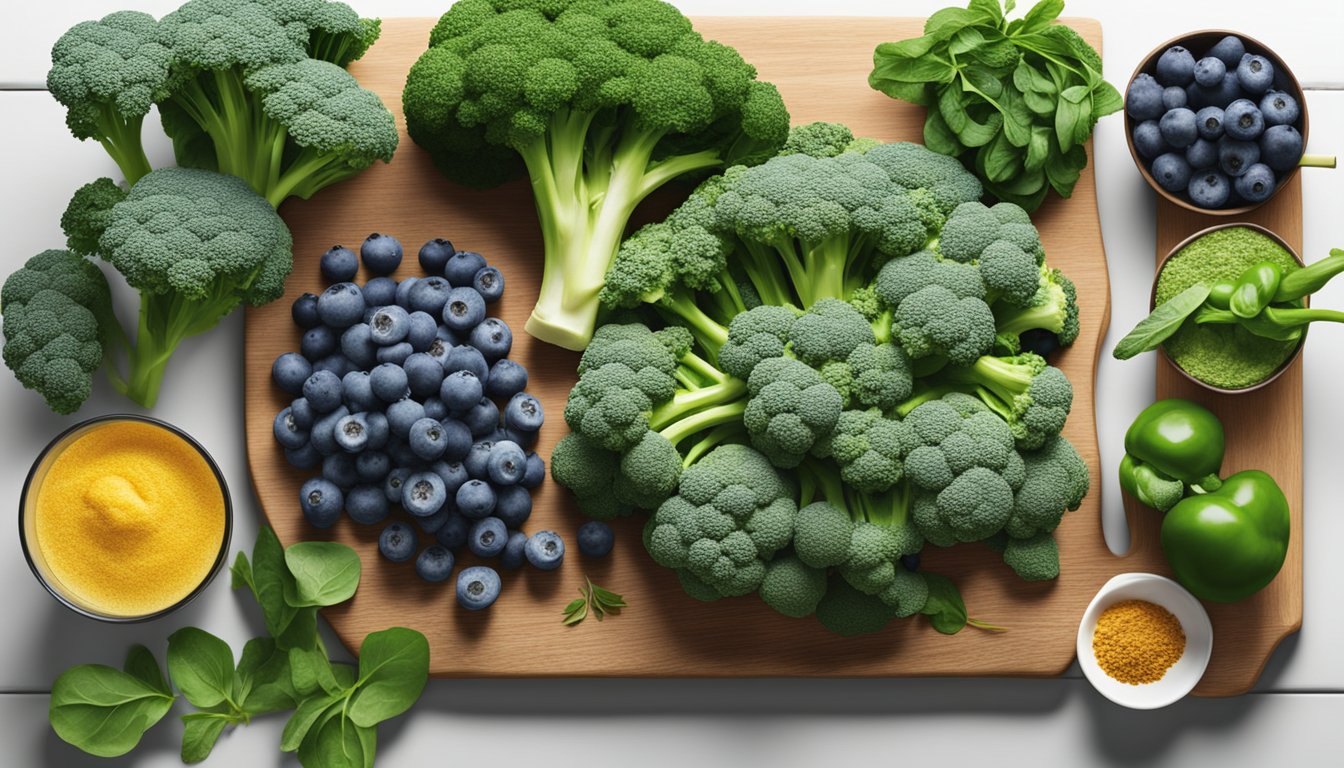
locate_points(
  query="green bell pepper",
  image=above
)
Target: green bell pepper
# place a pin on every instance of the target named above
(1173, 448)
(1255, 289)
(1227, 544)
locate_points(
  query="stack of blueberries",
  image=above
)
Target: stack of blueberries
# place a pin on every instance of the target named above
(1215, 128)
(406, 397)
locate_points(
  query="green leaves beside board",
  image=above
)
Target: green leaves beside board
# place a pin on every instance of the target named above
(595, 601)
(337, 707)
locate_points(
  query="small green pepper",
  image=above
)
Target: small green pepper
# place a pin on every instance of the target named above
(1173, 447)
(1310, 278)
(1220, 295)
(1227, 544)
(1255, 289)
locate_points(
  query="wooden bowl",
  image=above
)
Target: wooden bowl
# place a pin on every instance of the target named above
(1198, 42)
(1152, 304)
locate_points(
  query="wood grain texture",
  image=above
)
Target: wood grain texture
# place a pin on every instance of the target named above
(820, 66)
(1264, 431)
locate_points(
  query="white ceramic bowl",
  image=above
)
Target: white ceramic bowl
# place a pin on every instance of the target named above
(1181, 678)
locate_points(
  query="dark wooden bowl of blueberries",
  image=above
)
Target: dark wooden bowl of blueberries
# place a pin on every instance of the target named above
(1216, 122)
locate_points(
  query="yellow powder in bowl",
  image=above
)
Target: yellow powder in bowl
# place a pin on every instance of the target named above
(1136, 641)
(128, 518)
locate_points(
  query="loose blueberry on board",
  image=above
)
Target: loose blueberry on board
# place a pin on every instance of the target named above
(339, 264)
(424, 375)
(321, 501)
(429, 294)
(306, 457)
(389, 382)
(427, 439)
(505, 463)
(461, 390)
(366, 504)
(535, 473)
(453, 475)
(434, 255)
(524, 413)
(339, 469)
(396, 480)
(322, 390)
(463, 310)
(489, 282)
(512, 557)
(513, 505)
(287, 433)
(477, 460)
(492, 337)
(595, 539)
(397, 542)
(423, 494)
(352, 433)
(395, 354)
(373, 467)
(318, 342)
(357, 345)
(462, 267)
(475, 499)
(303, 413)
(323, 433)
(482, 418)
(403, 295)
(380, 292)
(453, 533)
(435, 564)
(487, 537)
(304, 311)
(379, 430)
(431, 525)
(290, 370)
(341, 305)
(402, 414)
(465, 358)
(389, 325)
(477, 587)
(357, 392)
(507, 378)
(381, 254)
(457, 440)
(545, 550)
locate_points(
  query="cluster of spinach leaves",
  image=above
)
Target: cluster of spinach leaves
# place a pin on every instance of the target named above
(1015, 100)
(336, 707)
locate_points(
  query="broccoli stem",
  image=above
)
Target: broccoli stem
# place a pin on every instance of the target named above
(165, 321)
(703, 368)
(693, 401)
(1015, 321)
(708, 333)
(711, 440)
(762, 269)
(121, 139)
(706, 419)
(890, 509)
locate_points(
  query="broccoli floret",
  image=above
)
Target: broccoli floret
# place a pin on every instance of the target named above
(86, 216)
(830, 330)
(732, 513)
(589, 472)
(1007, 251)
(821, 534)
(818, 140)
(869, 448)
(902, 276)
(755, 335)
(58, 327)
(108, 73)
(848, 612)
(939, 182)
(1033, 559)
(1056, 481)
(603, 101)
(1053, 309)
(328, 31)
(874, 375)
(611, 405)
(934, 321)
(1033, 397)
(792, 587)
(790, 409)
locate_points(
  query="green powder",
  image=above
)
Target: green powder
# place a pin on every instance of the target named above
(1226, 356)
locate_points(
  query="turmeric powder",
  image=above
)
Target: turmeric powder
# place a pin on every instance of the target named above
(1136, 641)
(129, 518)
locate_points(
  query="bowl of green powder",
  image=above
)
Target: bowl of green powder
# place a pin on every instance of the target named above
(1224, 358)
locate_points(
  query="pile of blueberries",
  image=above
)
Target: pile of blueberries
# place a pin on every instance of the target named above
(1215, 128)
(399, 387)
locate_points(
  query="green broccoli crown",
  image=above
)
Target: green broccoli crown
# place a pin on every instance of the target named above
(323, 108)
(62, 272)
(942, 180)
(792, 587)
(881, 376)
(611, 405)
(869, 448)
(821, 535)
(935, 321)
(818, 140)
(1053, 308)
(1007, 249)
(589, 472)
(113, 68)
(733, 512)
(329, 31)
(830, 330)
(758, 334)
(902, 276)
(648, 472)
(199, 234)
(88, 213)
(1033, 397)
(224, 34)
(1035, 558)
(661, 259)
(791, 408)
(848, 612)
(1056, 480)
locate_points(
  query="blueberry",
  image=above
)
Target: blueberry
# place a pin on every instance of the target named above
(1242, 120)
(512, 557)
(545, 550)
(460, 391)
(379, 430)
(453, 475)
(435, 564)
(316, 343)
(1173, 97)
(402, 414)
(595, 539)
(482, 418)
(434, 522)
(1256, 184)
(463, 266)
(341, 305)
(303, 413)
(423, 494)
(1209, 71)
(1171, 171)
(357, 392)
(910, 562)
(1148, 139)
(457, 440)
(1221, 95)
(357, 345)
(366, 504)
(1200, 155)
(403, 456)
(429, 294)
(423, 332)
(477, 587)
(339, 468)
(513, 505)
(321, 501)
(447, 336)
(507, 378)
(323, 433)
(475, 499)
(1178, 128)
(1279, 108)
(434, 408)
(397, 542)
(434, 254)
(463, 310)
(389, 382)
(1234, 157)
(1209, 121)
(339, 264)
(528, 440)
(524, 413)
(464, 358)
(492, 337)
(1209, 189)
(453, 533)
(438, 350)
(335, 363)
(487, 537)
(427, 439)
(506, 463)
(535, 472)
(389, 325)
(287, 433)
(380, 292)
(1143, 100)
(477, 460)
(1281, 147)
(396, 480)
(489, 282)
(1255, 74)
(395, 354)
(403, 295)
(1229, 50)
(322, 390)
(381, 254)
(372, 467)
(289, 371)
(1176, 66)
(424, 375)
(352, 433)
(304, 457)
(304, 311)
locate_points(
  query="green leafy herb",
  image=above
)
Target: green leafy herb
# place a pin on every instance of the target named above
(104, 711)
(201, 666)
(325, 573)
(200, 732)
(1156, 328)
(1016, 100)
(393, 668)
(945, 608)
(595, 601)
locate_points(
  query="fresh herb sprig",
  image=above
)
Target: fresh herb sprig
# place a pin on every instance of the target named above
(596, 601)
(1015, 100)
(336, 707)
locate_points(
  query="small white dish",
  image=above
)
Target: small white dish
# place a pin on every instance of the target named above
(1182, 677)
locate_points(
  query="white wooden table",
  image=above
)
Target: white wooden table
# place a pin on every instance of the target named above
(1291, 718)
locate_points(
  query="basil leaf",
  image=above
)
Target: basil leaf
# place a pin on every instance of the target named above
(1165, 320)
(325, 573)
(311, 669)
(201, 731)
(241, 574)
(1106, 100)
(1041, 14)
(201, 666)
(944, 607)
(393, 669)
(338, 743)
(142, 665)
(301, 632)
(104, 711)
(266, 681)
(309, 712)
(271, 578)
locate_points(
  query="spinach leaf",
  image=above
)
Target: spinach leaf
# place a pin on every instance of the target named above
(103, 710)
(325, 573)
(945, 609)
(265, 683)
(142, 665)
(337, 742)
(309, 712)
(271, 577)
(201, 666)
(311, 670)
(393, 669)
(200, 732)
(1156, 328)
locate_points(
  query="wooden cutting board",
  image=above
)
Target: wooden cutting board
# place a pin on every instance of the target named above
(820, 65)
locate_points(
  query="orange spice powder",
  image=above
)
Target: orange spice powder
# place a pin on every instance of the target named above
(1136, 641)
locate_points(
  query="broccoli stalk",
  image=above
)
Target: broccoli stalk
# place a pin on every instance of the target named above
(1032, 396)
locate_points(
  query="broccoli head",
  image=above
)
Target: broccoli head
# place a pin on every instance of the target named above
(1007, 251)
(830, 330)
(1035, 558)
(819, 140)
(939, 183)
(791, 408)
(934, 321)
(874, 375)
(1033, 397)
(758, 334)
(327, 30)
(848, 612)
(1053, 311)
(902, 276)
(87, 215)
(589, 471)
(1056, 481)
(792, 587)
(869, 448)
